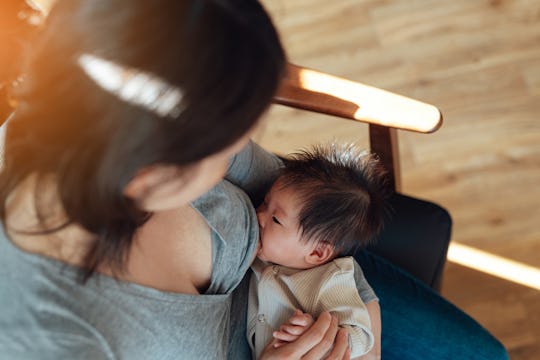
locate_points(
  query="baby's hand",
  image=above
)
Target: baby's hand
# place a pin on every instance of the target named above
(293, 328)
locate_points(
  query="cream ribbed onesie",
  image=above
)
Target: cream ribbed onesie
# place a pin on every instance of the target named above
(276, 291)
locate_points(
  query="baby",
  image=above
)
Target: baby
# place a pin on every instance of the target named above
(324, 205)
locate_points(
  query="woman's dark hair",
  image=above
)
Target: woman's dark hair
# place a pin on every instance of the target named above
(225, 56)
(343, 193)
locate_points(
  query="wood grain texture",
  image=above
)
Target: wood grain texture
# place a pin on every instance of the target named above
(479, 62)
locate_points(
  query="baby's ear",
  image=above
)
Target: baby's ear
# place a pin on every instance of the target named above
(321, 253)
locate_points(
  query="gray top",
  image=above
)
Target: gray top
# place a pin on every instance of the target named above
(46, 314)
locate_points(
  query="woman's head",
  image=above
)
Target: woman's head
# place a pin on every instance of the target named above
(224, 56)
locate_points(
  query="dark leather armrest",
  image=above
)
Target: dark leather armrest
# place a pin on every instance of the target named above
(416, 238)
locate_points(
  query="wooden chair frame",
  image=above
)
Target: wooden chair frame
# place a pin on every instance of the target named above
(385, 112)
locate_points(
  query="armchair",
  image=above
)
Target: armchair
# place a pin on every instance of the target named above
(418, 234)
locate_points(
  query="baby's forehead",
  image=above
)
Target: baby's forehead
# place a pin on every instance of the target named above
(281, 188)
(287, 195)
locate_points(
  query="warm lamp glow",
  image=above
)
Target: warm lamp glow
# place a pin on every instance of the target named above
(374, 105)
(495, 265)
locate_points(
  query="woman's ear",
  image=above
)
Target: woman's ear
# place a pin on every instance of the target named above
(320, 254)
(135, 187)
(157, 188)
(145, 180)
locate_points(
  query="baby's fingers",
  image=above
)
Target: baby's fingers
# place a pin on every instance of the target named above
(292, 329)
(284, 336)
(301, 319)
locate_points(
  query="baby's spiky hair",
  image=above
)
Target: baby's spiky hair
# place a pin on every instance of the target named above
(343, 191)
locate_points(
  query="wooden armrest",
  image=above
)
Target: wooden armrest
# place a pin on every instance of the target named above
(384, 111)
(316, 91)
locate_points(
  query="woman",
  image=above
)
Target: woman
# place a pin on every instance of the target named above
(129, 112)
(118, 238)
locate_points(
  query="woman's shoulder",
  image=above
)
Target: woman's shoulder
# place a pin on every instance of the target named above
(47, 308)
(40, 315)
(254, 170)
(228, 211)
(235, 232)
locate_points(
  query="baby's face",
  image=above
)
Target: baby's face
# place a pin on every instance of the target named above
(280, 235)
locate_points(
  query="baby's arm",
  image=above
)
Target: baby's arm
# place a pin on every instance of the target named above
(374, 311)
(300, 322)
(372, 304)
(340, 296)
